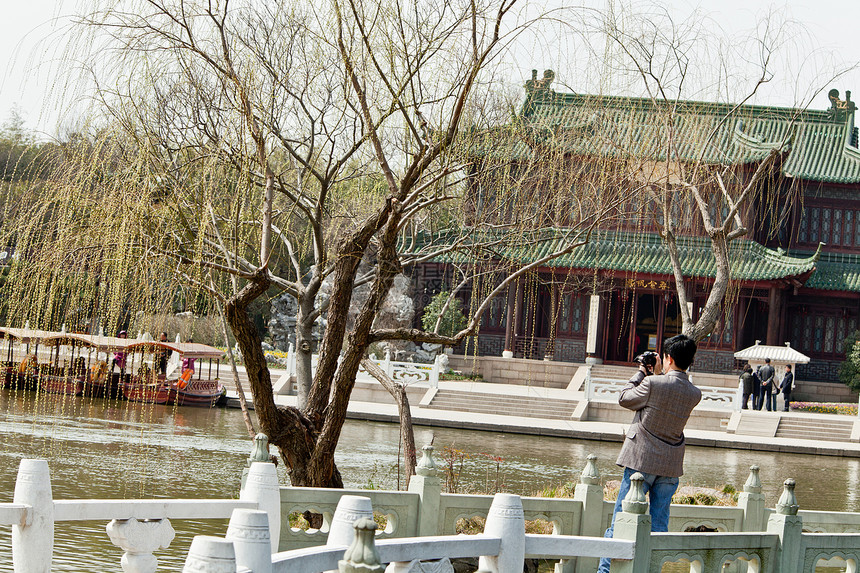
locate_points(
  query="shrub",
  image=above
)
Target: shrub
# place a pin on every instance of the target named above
(453, 320)
(849, 371)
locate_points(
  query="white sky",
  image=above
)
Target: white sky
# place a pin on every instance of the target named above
(26, 46)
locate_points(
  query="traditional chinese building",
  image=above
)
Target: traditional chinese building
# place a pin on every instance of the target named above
(795, 276)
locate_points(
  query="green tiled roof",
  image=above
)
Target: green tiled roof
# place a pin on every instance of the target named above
(817, 146)
(631, 252)
(836, 271)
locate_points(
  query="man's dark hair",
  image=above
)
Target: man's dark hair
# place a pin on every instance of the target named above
(767, 360)
(682, 349)
(788, 367)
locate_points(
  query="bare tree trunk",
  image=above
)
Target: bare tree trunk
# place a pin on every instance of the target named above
(407, 434)
(246, 416)
(287, 428)
(304, 351)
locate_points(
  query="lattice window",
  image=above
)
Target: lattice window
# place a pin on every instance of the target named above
(848, 228)
(564, 313)
(803, 235)
(814, 225)
(495, 315)
(729, 328)
(820, 331)
(829, 334)
(818, 334)
(837, 227)
(857, 228)
(572, 314)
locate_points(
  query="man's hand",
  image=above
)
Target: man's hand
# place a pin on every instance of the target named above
(656, 369)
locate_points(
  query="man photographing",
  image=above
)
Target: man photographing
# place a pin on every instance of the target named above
(654, 445)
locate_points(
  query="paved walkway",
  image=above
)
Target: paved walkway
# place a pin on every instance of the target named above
(588, 430)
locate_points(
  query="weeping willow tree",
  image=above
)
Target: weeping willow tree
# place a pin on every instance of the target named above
(242, 149)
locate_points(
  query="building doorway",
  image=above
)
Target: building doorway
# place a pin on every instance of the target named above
(639, 322)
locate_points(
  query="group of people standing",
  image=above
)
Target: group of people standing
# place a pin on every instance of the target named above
(764, 387)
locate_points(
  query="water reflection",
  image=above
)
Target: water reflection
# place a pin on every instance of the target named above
(114, 449)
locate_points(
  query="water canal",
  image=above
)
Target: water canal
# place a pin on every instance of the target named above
(115, 449)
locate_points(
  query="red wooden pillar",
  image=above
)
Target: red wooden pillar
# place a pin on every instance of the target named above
(774, 315)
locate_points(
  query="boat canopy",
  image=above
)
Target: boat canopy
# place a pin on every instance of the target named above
(68, 339)
(25, 335)
(184, 349)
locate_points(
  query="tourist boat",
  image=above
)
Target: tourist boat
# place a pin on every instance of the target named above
(68, 371)
(194, 388)
(148, 388)
(106, 379)
(185, 387)
(9, 377)
(21, 371)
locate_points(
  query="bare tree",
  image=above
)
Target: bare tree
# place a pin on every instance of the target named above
(246, 150)
(698, 179)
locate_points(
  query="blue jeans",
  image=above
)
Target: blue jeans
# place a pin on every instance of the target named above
(660, 491)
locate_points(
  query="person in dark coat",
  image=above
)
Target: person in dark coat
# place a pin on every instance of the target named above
(785, 386)
(768, 383)
(756, 397)
(747, 383)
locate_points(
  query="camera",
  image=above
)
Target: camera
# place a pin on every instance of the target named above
(647, 359)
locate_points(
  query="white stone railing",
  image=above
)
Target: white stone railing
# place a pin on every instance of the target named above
(405, 373)
(781, 546)
(713, 397)
(352, 547)
(140, 527)
(421, 523)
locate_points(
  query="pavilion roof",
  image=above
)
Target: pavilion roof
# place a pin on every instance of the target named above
(837, 272)
(636, 252)
(777, 354)
(817, 145)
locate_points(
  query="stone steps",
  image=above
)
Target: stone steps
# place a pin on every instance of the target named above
(836, 430)
(504, 405)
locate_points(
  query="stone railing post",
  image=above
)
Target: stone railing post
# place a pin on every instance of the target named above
(634, 523)
(589, 389)
(739, 397)
(506, 520)
(139, 539)
(291, 360)
(590, 493)
(249, 532)
(259, 453)
(361, 556)
(428, 486)
(210, 554)
(789, 526)
(350, 509)
(439, 364)
(386, 364)
(33, 542)
(262, 487)
(751, 500)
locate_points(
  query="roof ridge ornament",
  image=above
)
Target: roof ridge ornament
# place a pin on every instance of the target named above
(540, 87)
(840, 109)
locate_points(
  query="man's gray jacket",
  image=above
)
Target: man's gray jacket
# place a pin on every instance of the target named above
(655, 440)
(766, 375)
